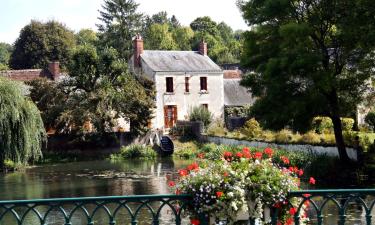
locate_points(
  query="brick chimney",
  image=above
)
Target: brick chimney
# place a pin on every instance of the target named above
(203, 48)
(54, 69)
(138, 50)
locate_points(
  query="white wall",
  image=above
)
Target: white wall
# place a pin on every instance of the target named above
(185, 101)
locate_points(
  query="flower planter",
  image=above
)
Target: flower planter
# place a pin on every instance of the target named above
(243, 215)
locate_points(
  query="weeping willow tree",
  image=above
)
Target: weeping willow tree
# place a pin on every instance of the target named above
(22, 132)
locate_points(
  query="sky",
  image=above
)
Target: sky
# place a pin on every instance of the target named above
(78, 14)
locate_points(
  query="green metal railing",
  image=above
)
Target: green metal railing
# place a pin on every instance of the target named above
(169, 209)
(139, 209)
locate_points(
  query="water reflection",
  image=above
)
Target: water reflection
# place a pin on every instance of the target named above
(95, 178)
(106, 178)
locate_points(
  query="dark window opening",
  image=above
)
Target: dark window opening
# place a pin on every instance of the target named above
(186, 84)
(203, 83)
(169, 81)
(205, 106)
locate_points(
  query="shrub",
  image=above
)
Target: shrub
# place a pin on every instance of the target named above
(328, 139)
(370, 119)
(251, 129)
(347, 124)
(322, 124)
(135, 151)
(185, 150)
(311, 138)
(217, 128)
(365, 128)
(9, 165)
(284, 136)
(267, 136)
(199, 113)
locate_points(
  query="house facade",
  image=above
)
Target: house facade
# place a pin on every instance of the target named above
(183, 79)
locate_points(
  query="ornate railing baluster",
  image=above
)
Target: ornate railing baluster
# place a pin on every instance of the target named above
(149, 209)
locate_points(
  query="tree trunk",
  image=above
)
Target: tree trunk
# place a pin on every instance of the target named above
(339, 138)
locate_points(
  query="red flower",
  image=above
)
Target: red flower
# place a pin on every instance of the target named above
(247, 155)
(300, 172)
(239, 154)
(171, 183)
(228, 156)
(312, 180)
(178, 192)
(193, 166)
(225, 174)
(183, 173)
(268, 152)
(306, 195)
(201, 155)
(195, 222)
(292, 211)
(277, 205)
(285, 160)
(289, 221)
(245, 149)
(258, 155)
(219, 194)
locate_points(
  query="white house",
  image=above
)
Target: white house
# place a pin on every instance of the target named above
(183, 79)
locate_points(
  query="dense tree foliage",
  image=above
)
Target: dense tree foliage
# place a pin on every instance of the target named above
(86, 37)
(5, 52)
(21, 128)
(40, 43)
(120, 22)
(159, 38)
(98, 92)
(308, 57)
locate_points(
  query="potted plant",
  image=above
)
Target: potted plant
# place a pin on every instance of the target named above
(241, 185)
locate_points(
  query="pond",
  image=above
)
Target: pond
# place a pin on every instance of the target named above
(106, 178)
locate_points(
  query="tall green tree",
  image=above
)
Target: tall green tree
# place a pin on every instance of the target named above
(308, 57)
(5, 52)
(86, 36)
(40, 43)
(204, 25)
(120, 22)
(183, 37)
(100, 91)
(159, 38)
(21, 128)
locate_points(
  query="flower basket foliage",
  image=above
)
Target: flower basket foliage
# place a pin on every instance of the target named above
(237, 182)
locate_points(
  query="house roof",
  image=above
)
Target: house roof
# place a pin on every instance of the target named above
(235, 94)
(178, 61)
(25, 75)
(232, 74)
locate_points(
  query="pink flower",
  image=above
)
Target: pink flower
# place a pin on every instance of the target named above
(312, 180)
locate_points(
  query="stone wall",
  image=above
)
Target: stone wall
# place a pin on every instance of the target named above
(320, 150)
